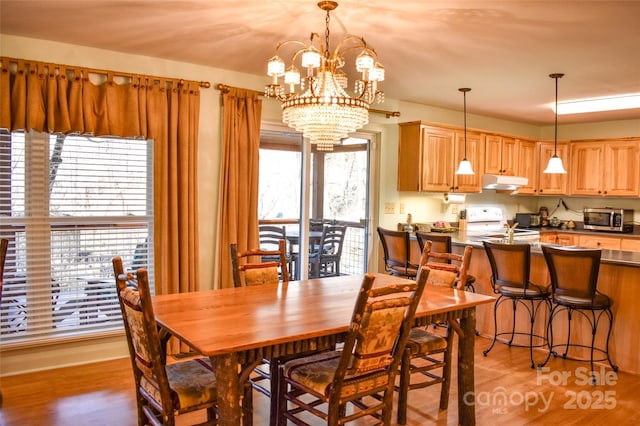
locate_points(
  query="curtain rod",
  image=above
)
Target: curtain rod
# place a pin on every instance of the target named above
(225, 89)
(203, 84)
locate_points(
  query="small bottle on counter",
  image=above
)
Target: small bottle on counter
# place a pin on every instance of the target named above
(409, 227)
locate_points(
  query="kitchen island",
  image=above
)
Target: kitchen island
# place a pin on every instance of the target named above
(619, 278)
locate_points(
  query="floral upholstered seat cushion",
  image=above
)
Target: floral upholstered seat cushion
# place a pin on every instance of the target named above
(316, 372)
(259, 276)
(422, 342)
(192, 383)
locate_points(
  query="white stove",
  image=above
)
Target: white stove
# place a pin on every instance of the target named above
(489, 222)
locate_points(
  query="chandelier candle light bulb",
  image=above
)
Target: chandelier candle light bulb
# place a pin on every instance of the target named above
(318, 105)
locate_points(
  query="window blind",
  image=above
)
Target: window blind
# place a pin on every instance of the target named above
(68, 205)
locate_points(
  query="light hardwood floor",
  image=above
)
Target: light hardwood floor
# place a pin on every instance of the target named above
(508, 392)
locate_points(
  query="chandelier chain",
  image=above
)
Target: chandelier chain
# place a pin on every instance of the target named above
(326, 36)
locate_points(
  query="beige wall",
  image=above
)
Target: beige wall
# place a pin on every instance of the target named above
(424, 207)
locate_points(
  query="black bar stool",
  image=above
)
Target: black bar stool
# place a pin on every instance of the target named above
(510, 267)
(574, 280)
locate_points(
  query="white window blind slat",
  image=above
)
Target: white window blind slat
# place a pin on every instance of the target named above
(68, 205)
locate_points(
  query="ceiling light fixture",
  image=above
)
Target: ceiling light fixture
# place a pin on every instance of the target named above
(555, 163)
(611, 103)
(320, 107)
(464, 168)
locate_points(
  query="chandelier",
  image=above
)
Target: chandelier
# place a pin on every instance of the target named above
(318, 104)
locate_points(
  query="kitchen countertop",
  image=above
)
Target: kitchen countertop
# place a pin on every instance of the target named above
(615, 257)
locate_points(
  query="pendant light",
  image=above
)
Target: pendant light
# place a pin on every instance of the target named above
(555, 162)
(464, 168)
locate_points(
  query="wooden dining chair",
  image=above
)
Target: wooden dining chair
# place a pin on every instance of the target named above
(442, 244)
(163, 391)
(397, 253)
(257, 267)
(427, 352)
(358, 380)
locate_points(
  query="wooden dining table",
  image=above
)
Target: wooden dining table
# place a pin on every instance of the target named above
(238, 327)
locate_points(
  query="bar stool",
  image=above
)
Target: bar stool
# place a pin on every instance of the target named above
(510, 268)
(574, 280)
(442, 244)
(397, 253)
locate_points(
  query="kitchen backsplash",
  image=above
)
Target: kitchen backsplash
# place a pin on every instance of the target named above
(427, 208)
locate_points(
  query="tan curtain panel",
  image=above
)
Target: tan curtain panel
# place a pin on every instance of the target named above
(64, 99)
(238, 220)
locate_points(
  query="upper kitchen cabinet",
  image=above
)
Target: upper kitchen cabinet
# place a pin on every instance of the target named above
(605, 168)
(500, 155)
(474, 153)
(527, 165)
(551, 183)
(428, 156)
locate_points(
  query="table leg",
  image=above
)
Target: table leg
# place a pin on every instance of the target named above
(226, 370)
(466, 385)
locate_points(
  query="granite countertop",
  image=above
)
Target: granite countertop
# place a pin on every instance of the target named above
(616, 257)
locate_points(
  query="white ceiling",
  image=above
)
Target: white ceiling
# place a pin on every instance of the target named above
(504, 50)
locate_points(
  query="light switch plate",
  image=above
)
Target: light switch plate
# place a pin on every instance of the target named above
(389, 208)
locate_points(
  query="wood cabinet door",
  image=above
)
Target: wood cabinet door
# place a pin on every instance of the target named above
(492, 154)
(596, 241)
(549, 237)
(500, 155)
(509, 156)
(474, 153)
(586, 168)
(527, 166)
(621, 169)
(437, 159)
(409, 156)
(630, 244)
(553, 184)
(566, 239)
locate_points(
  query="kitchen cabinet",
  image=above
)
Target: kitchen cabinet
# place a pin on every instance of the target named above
(630, 244)
(558, 238)
(500, 155)
(598, 241)
(474, 153)
(527, 165)
(428, 156)
(551, 183)
(605, 168)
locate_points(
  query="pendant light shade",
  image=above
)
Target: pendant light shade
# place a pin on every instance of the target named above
(555, 163)
(464, 168)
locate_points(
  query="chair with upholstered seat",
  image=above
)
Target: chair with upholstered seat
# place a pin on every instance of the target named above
(574, 282)
(249, 268)
(442, 244)
(510, 270)
(427, 352)
(397, 253)
(324, 260)
(358, 380)
(258, 266)
(163, 391)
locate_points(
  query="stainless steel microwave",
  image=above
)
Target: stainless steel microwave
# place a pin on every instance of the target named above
(608, 219)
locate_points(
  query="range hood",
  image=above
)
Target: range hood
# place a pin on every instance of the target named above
(502, 182)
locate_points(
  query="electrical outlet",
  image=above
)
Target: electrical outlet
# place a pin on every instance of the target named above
(454, 210)
(401, 208)
(389, 208)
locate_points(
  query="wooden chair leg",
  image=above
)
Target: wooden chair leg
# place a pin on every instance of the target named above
(446, 371)
(403, 391)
